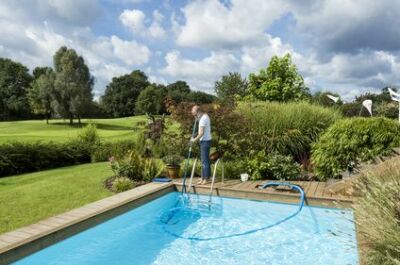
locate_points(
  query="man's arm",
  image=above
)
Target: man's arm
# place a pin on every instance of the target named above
(199, 135)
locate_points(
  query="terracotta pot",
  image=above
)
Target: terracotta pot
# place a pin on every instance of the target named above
(214, 156)
(173, 171)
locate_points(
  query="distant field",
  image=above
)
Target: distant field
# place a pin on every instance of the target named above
(60, 130)
(29, 198)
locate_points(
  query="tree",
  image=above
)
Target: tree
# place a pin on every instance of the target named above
(178, 91)
(40, 93)
(200, 97)
(279, 82)
(38, 71)
(231, 85)
(72, 94)
(321, 98)
(14, 83)
(121, 94)
(150, 101)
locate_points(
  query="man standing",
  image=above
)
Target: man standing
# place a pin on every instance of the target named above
(204, 135)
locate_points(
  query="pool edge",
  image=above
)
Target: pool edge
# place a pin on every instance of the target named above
(17, 244)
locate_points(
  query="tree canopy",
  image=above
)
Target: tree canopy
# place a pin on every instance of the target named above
(230, 86)
(280, 81)
(14, 83)
(40, 94)
(73, 85)
(150, 100)
(122, 92)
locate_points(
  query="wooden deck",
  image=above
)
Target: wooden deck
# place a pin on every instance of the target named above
(314, 190)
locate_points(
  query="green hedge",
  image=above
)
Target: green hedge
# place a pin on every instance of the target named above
(117, 149)
(351, 141)
(20, 157)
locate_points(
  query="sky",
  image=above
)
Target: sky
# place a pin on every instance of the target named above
(344, 46)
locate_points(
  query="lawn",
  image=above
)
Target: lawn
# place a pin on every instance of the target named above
(29, 198)
(60, 130)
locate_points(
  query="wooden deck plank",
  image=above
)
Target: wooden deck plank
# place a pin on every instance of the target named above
(320, 190)
(313, 188)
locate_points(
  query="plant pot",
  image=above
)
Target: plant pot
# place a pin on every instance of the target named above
(244, 177)
(214, 156)
(173, 171)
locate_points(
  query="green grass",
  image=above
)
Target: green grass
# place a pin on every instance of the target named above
(60, 130)
(29, 198)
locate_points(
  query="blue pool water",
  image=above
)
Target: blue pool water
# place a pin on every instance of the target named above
(318, 236)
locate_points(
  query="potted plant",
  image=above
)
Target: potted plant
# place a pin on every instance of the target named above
(173, 163)
(215, 155)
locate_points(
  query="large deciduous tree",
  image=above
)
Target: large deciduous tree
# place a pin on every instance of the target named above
(279, 82)
(230, 86)
(121, 94)
(150, 100)
(14, 83)
(40, 93)
(73, 85)
(178, 91)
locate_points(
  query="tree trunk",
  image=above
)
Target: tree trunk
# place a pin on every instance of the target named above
(48, 116)
(79, 119)
(71, 119)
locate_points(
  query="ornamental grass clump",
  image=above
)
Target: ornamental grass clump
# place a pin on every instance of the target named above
(122, 184)
(286, 128)
(378, 213)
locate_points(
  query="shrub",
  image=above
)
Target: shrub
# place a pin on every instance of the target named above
(232, 169)
(378, 213)
(172, 160)
(159, 149)
(141, 143)
(121, 184)
(151, 168)
(116, 149)
(286, 128)
(272, 166)
(21, 157)
(89, 137)
(135, 167)
(130, 166)
(353, 140)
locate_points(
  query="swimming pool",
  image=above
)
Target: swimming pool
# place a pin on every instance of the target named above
(316, 236)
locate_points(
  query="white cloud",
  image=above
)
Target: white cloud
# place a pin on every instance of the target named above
(211, 24)
(200, 74)
(156, 30)
(134, 19)
(130, 52)
(84, 11)
(257, 56)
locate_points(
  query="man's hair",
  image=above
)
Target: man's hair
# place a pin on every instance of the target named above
(197, 108)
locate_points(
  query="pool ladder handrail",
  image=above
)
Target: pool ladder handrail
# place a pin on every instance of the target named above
(218, 162)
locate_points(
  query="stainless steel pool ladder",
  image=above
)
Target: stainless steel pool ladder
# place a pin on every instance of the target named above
(219, 162)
